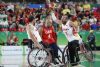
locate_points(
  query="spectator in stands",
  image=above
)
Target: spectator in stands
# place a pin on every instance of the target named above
(79, 8)
(83, 20)
(13, 25)
(92, 20)
(86, 6)
(72, 10)
(94, 26)
(91, 39)
(87, 13)
(80, 15)
(98, 24)
(86, 26)
(21, 21)
(96, 13)
(12, 39)
(66, 10)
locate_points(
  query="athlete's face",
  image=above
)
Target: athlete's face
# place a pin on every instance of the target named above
(48, 23)
(64, 19)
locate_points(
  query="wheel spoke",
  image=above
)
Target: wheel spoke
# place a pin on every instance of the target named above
(39, 57)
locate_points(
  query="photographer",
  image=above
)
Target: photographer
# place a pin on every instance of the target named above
(91, 40)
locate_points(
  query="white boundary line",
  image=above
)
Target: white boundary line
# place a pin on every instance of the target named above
(93, 61)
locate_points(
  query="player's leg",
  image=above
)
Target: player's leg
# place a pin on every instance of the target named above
(54, 52)
(72, 52)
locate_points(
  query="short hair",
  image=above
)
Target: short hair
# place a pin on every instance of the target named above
(31, 18)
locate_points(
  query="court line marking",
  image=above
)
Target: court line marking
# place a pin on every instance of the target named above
(94, 60)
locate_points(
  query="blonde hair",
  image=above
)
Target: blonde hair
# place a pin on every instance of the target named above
(48, 21)
(91, 31)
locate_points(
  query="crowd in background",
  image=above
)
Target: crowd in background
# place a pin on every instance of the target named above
(18, 16)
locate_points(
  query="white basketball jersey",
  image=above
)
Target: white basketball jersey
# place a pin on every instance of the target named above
(68, 31)
(35, 32)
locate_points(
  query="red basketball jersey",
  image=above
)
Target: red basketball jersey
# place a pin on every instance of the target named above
(48, 35)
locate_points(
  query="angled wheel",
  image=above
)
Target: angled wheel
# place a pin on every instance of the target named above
(43, 58)
(66, 58)
(88, 55)
(31, 57)
(59, 58)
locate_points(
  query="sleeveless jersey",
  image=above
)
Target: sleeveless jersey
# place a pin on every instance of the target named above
(35, 32)
(68, 31)
(48, 35)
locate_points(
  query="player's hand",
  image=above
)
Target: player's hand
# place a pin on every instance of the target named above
(38, 46)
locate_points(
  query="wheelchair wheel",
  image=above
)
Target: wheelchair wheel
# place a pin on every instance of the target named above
(31, 57)
(66, 57)
(88, 55)
(43, 58)
(59, 58)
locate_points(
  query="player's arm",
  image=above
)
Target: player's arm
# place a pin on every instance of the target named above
(54, 18)
(40, 31)
(36, 44)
